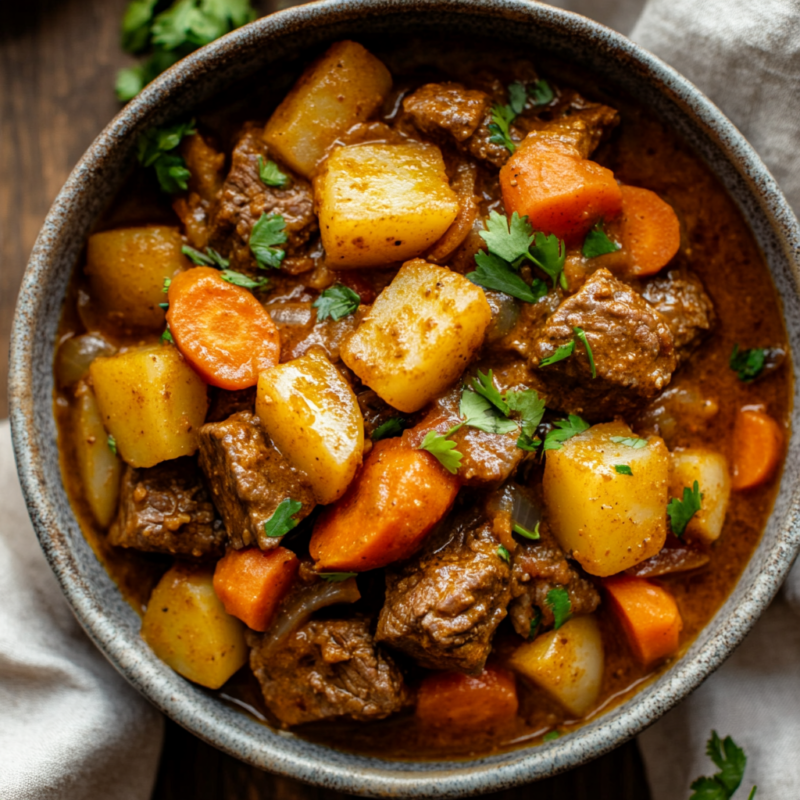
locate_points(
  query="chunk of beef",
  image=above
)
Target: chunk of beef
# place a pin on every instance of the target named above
(249, 478)
(166, 509)
(443, 606)
(300, 330)
(244, 198)
(224, 403)
(632, 345)
(679, 296)
(328, 669)
(583, 128)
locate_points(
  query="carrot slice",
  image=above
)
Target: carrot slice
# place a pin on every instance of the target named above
(252, 583)
(393, 502)
(757, 448)
(465, 702)
(649, 615)
(650, 231)
(557, 190)
(221, 329)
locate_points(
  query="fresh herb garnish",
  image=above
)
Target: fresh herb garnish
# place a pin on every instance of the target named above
(271, 175)
(156, 148)
(529, 443)
(167, 284)
(163, 306)
(597, 242)
(484, 385)
(336, 302)
(210, 258)
(747, 364)
(536, 621)
(504, 554)
(530, 408)
(549, 254)
(565, 429)
(581, 334)
(541, 92)
(392, 427)
(337, 577)
(623, 469)
(268, 231)
(167, 336)
(562, 351)
(534, 534)
(112, 444)
(481, 414)
(681, 511)
(517, 95)
(282, 521)
(494, 273)
(499, 127)
(559, 603)
(630, 441)
(731, 761)
(240, 279)
(551, 736)
(441, 446)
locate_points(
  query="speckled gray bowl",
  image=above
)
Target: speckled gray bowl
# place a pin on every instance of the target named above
(98, 605)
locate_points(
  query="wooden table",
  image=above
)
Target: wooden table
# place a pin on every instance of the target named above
(57, 64)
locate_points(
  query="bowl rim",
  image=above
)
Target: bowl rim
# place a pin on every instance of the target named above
(335, 769)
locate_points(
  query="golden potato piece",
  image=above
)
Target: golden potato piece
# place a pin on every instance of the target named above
(152, 402)
(381, 203)
(311, 414)
(188, 628)
(419, 336)
(126, 269)
(710, 470)
(345, 86)
(607, 520)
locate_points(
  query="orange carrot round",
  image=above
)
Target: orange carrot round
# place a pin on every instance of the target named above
(466, 702)
(391, 505)
(557, 190)
(251, 583)
(650, 231)
(649, 616)
(757, 448)
(221, 329)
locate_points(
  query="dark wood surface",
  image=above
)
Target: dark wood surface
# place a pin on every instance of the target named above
(57, 65)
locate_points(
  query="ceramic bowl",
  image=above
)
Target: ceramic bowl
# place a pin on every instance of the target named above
(114, 626)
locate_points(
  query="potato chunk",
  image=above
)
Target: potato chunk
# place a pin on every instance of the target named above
(152, 403)
(311, 414)
(608, 521)
(710, 470)
(567, 663)
(380, 203)
(419, 336)
(127, 268)
(344, 87)
(188, 628)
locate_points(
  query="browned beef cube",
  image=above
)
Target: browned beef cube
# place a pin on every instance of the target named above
(632, 345)
(249, 478)
(583, 128)
(443, 606)
(447, 108)
(328, 669)
(244, 198)
(166, 509)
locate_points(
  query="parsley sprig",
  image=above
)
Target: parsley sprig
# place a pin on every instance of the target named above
(282, 521)
(630, 441)
(748, 364)
(337, 301)
(112, 444)
(390, 428)
(157, 148)
(731, 761)
(681, 511)
(503, 116)
(597, 242)
(565, 429)
(557, 600)
(270, 174)
(269, 230)
(211, 258)
(566, 350)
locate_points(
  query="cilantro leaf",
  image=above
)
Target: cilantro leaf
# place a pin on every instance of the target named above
(549, 254)
(731, 761)
(392, 427)
(564, 429)
(136, 24)
(562, 351)
(132, 80)
(155, 149)
(581, 334)
(163, 306)
(536, 621)
(597, 242)
(211, 258)
(112, 444)
(495, 273)
(534, 534)
(747, 364)
(502, 117)
(681, 511)
(507, 238)
(270, 174)
(504, 554)
(167, 284)
(336, 302)
(240, 279)
(268, 231)
(167, 336)
(630, 441)
(551, 736)
(529, 406)
(529, 443)
(541, 92)
(336, 577)
(439, 445)
(558, 602)
(282, 521)
(484, 385)
(623, 469)
(517, 95)
(481, 414)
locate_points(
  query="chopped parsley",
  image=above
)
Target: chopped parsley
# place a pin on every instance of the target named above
(484, 386)
(167, 336)
(337, 577)
(562, 351)
(681, 511)
(536, 621)
(541, 92)
(530, 408)
(336, 302)
(551, 736)
(623, 469)
(731, 761)
(549, 254)
(270, 174)
(500, 126)
(268, 231)
(597, 242)
(167, 284)
(747, 364)
(443, 448)
(481, 414)
(282, 521)
(581, 334)
(564, 429)
(210, 258)
(163, 306)
(112, 444)
(240, 279)
(534, 534)
(558, 602)
(494, 273)
(157, 147)
(504, 554)
(390, 428)
(517, 95)
(630, 441)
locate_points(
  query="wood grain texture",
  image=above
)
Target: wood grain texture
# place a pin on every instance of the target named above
(57, 64)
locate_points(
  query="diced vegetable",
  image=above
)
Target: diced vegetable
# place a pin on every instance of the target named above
(127, 268)
(188, 628)
(567, 663)
(344, 87)
(650, 231)
(76, 354)
(419, 336)
(251, 583)
(467, 703)
(757, 448)
(221, 329)
(557, 190)
(392, 504)
(710, 470)
(311, 414)
(152, 403)
(608, 520)
(649, 615)
(382, 203)
(99, 468)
